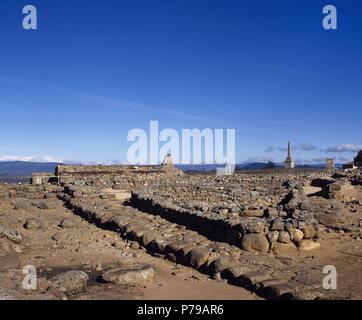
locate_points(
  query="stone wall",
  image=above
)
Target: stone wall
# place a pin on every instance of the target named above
(101, 169)
(68, 173)
(39, 178)
(255, 234)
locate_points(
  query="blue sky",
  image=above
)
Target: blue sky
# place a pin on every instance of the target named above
(96, 69)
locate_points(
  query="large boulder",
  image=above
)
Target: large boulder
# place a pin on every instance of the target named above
(69, 281)
(337, 190)
(34, 224)
(284, 237)
(68, 223)
(296, 235)
(256, 226)
(10, 234)
(253, 212)
(132, 275)
(309, 232)
(308, 245)
(277, 225)
(284, 249)
(255, 243)
(21, 204)
(198, 257)
(221, 264)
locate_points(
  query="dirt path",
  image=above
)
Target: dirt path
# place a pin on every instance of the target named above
(83, 246)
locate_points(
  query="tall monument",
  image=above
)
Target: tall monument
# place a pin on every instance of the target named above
(289, 163)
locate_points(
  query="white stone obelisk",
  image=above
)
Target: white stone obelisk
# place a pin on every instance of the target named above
(289, 163)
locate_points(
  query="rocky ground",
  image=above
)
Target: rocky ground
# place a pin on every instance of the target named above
(43, 233)
(248, 236)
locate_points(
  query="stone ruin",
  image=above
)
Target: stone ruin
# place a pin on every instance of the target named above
(41, 178)
(238, 227)
(278, 217)
(268, 215)
(70, 173)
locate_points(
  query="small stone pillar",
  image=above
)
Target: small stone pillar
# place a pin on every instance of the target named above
(168, 164)
(330, 165)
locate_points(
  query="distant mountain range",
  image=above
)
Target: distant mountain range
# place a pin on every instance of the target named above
(20, 171)
(249, 166)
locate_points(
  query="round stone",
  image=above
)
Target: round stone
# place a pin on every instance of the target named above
(284, 237)
(255, 243)
(296, 235)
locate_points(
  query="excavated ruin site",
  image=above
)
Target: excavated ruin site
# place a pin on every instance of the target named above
(142, 233)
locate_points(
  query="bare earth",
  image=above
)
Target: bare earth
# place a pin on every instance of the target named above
(86, 247)
(56, 239)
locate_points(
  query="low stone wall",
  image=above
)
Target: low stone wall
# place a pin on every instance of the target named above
(101, 169)
(354, 177)
(214, 229)
(338, 190)
(68, 174)
(262, 274)
(253, 234)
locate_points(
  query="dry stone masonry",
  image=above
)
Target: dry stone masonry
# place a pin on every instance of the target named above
(254, 230)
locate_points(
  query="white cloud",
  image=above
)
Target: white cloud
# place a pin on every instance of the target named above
(30, 158)
(94, 163)
(47, 159)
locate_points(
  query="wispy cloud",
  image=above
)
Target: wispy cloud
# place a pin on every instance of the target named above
(274, 67)
(349, 147)
(301, 146)
(118, 102)
(126, 104)
(270, 149)
(307, 147)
